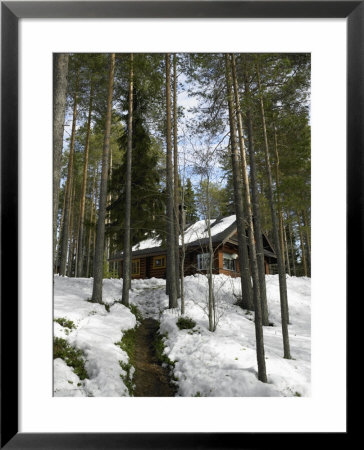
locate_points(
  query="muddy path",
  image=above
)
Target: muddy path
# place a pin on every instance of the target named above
(151, 379)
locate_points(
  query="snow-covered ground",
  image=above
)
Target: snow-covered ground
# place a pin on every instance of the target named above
(95, 334)
(222, 363)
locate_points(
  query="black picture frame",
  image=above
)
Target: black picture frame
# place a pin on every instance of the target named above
(11, 12)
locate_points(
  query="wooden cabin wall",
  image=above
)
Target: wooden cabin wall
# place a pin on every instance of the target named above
(228, 248)
(155, 272)
(190, 264)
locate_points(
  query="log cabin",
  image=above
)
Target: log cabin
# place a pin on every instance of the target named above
(149, 256)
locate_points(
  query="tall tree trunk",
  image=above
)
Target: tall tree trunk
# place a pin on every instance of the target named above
(68, 191)
(303, 250)
(262, 375)
(108, 213)
(245, 278)
(279, 206)
(183, 253)
(171, 260)
(60, 70)
(286, 247)
(59, 240)
(292, 248)
(211, 302)
(175, 176)
(281, 271)
(81, 224)
(254, 190)
(91, 224)
(308, 239)
(127, 241)
(71, 232)
(100, 233)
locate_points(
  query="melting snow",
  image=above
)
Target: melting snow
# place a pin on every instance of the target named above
(222, 363)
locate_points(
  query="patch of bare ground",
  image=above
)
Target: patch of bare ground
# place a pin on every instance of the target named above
(151, 379)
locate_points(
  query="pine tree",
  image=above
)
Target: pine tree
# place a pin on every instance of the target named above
(253, 183)
(176, 178)
(247, 301)
(68, 190)
(262, 375)
(282, 275)
(79, 265)
(60, 70)
(100, 234)
(171, 268)
(147, 200)
(127, 241)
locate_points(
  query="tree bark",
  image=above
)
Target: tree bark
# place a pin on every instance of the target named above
(175, 177)
(100, 232)
(254, 190)
(279, 206)
(171, 266)
(60, 70)
(262, 375)
(287, 254)
(246, 289)
(68, 191)
(71, 232)
(59, 241)
(281, 271)
(81, 225)
(183, 254)
(293, 257)
(91, 224)
(308, 239)
(127, 241)
(302, 242)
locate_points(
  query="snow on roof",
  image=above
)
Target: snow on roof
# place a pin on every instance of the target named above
(199, 231)
(193, 233)
(147, 243)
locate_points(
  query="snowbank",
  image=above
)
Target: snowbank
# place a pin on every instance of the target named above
(95, 334)
(223, 363)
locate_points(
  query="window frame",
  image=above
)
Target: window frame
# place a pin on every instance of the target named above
(135, 261)
(164, 262)
(201, 259)
(228, 258)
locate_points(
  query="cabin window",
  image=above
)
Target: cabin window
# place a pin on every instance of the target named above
(159, 262)
(229, 261)
(203, 261)
(135, 267)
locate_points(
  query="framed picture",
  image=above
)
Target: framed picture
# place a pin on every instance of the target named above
(26, 168)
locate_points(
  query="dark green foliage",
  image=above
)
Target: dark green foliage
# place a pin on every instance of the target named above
(185, 323)
(158, 345)
(128, 378)
(127, 344)
(147, 203)
(134, 309)
(72, 357)
(65, 322)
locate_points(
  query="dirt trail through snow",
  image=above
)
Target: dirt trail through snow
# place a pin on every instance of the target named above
(151, 379)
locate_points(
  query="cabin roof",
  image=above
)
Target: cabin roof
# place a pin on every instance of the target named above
(195, 234)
